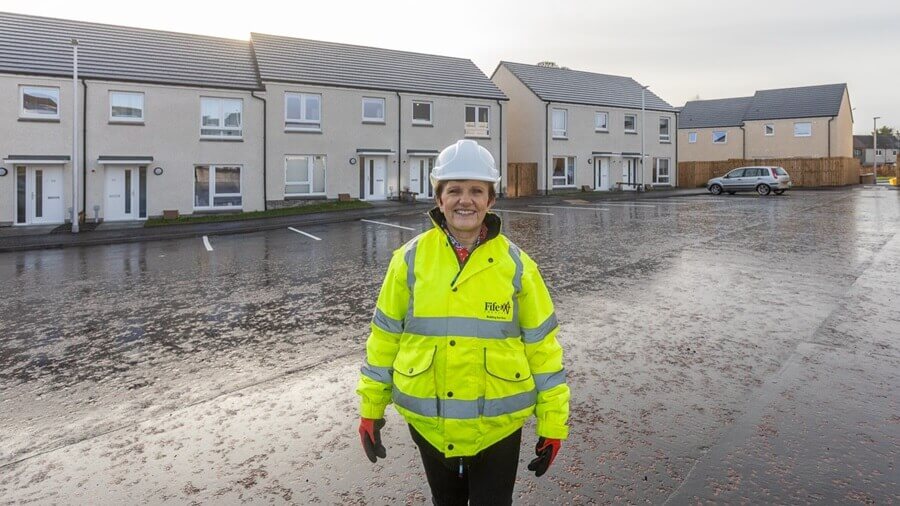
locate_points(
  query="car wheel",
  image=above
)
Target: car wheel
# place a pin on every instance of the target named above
(763, 189)
(779, 192)
(715, 189)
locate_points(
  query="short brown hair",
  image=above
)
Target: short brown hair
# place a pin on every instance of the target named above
(492, 192)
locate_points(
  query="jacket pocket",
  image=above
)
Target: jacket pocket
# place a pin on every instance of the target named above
(414, 385)
(411, 362)
(507, 365)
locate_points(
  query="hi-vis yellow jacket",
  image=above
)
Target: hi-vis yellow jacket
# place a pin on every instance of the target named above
(465, 355)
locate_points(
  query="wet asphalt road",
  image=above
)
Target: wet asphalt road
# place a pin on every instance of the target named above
(728, 349)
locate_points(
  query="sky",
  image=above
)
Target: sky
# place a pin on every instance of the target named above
(682, 49)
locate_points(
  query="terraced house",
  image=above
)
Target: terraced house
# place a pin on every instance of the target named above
(803, 122)
(587, 129)
(365, 121)
(167, 121)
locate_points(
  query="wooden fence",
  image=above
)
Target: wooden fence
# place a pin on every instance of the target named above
(521, 179)
(840, 171)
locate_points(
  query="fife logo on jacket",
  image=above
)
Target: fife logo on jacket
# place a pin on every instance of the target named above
(497, 311)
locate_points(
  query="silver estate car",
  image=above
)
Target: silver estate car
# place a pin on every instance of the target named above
(762, 180)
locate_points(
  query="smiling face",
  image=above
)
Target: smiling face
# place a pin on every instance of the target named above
(464, 204)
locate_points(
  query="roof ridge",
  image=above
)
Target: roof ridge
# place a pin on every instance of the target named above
(361, 46)
(802, 87)
(569, 70)
(128, 27)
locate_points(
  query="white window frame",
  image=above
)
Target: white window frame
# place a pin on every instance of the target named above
(212, 187)
(667, 137)
(311, 160)
(769, 129)
(478, 128)
(692, 137)
(633, 122)
(366, 119)
(796, 124)
(29, 115)
(656, 175)
(120, 119)
(724, 136)
(559, 134)
(605, 127)
(574, 165)
(239, 129)
(302, 123)
(412, 113)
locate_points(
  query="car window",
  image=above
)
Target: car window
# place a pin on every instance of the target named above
(735, 173)
(780, 171)
(755, 172)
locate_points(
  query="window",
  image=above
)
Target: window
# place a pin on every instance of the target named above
(126, 106)
(217, 187)
(563, 171)
(421, 113)
(560, 121)
(372, 110)
(661, 172)
(878, 152)
(38, 102)
(304, 175)
(601, 121)
(857, 152)
(302, 111)
(770, 129)
(221, 117)
(692, 137)
(630, 122)
(478, 121)
(719, 137)
(664, 130)
(802, 129)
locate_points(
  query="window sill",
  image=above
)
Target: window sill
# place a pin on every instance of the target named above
(661, 141)
(428, 125)
(39, 120)
(596, 131)
(558, 138)
(217, 210)
(630, 132)
(221, 139)
(304, 196)
(477, 136)
(120, 122)
(296, 130)
(566, 187)
(373, 122)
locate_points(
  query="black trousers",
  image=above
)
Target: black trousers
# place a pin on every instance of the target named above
(485, 479)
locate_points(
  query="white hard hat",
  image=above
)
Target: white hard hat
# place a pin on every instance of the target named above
(464, 160)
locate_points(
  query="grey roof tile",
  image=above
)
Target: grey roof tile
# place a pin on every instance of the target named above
(41, 46)
(803, 102)
(884, 142)
(725, 112)
(293, 60)
(589, 88)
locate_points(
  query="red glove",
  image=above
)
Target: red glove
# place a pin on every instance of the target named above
(546, 450)
(370, 434)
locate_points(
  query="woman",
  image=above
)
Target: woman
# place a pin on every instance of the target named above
(463, 342)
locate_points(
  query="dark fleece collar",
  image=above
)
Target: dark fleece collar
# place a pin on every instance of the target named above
(490, 219)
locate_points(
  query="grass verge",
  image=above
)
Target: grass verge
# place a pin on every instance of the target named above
(274, 213)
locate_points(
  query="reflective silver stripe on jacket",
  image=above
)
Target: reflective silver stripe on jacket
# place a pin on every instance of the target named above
(462, 327)
(464, 410)
(548, 380)
(537, 334)
(517, 279)
(386, 323)
(380, 374)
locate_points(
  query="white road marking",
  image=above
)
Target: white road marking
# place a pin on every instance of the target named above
(583, 208)
(388, 224)
(520, 212)
(304, 233)
(206, 243)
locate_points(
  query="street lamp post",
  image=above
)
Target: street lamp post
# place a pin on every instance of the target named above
(643, 127)
(74, 136)
(875, 146)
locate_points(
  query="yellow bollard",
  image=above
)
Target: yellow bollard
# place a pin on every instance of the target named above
(892, 181)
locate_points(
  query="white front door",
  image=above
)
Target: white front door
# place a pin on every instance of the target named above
(122, 192)
(601, 167)
(375, 175)
(39, 195)
(419, 176)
